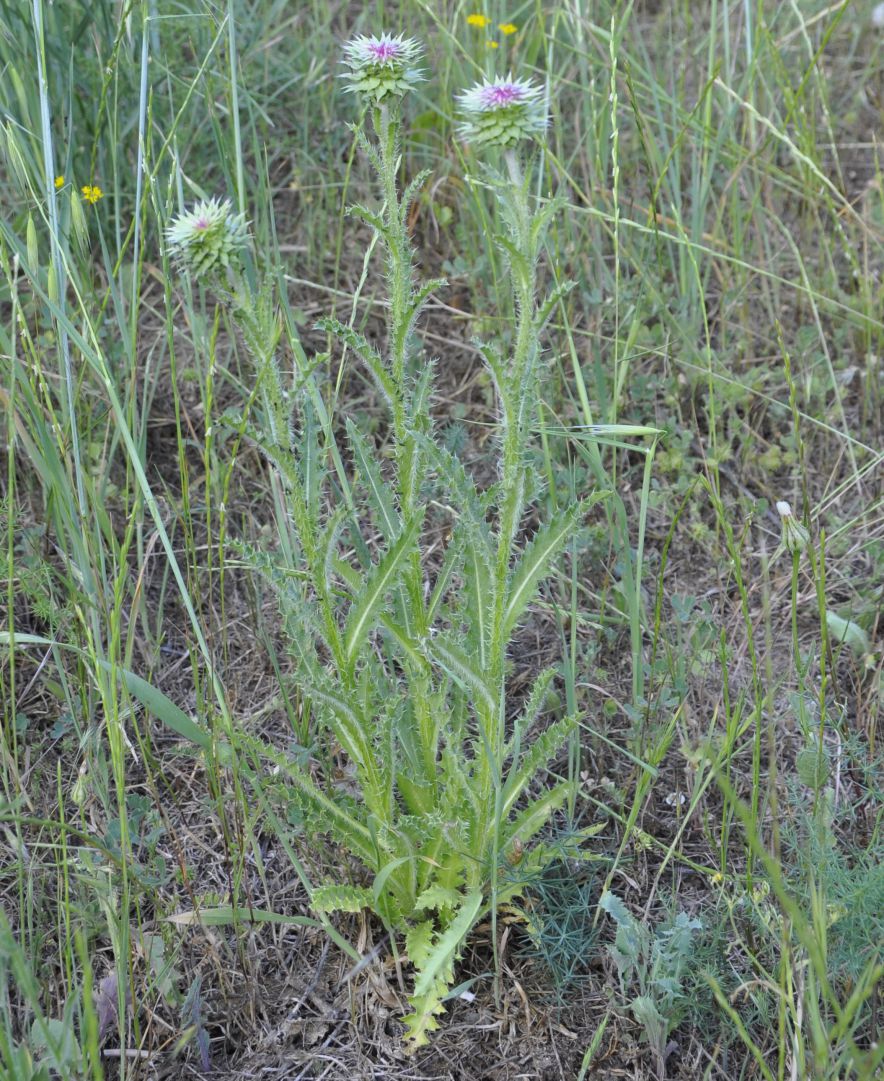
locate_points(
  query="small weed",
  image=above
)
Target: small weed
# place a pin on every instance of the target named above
(651, 967)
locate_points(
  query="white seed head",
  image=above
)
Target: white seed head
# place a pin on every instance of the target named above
(795, 537)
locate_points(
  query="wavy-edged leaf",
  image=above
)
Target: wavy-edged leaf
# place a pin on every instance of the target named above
(534, 565)
(419, 942)
(362, 213)
(380, 579)
(411, 193)
(366, 352)
(422, 1020)
(341, 899)
(437, 897)
(323, 814)
(547, 307)
(531, 710)
(533, 817)
(452, 660)
(533, 760)
(445, 948)
(379, 493)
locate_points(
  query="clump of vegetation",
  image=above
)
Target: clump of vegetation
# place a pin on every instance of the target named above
(651, 966)
(327, 675)
(404, 662)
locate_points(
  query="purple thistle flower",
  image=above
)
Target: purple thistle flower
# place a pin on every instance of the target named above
(502, 112)
(381, 67)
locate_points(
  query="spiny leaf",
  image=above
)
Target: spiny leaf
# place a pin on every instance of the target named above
(534, 703)
(366, 352)
(532, 818)
(379, 492)
(341, 899)
(445, 949)
(479, 589)
(422, 1020)
(462, 670)
(437, 897)
(348, 726)
(534, 759)
(547, 307)
(327, 815)
(328, 539)
(470, 502)
(417, 302)
(452, 555)
(408, 645)
(381, 578)
(534, 565)
(362, 213)
(411, 193)
(419, 942)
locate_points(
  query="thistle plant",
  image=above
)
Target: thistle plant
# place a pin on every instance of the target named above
(403, 656)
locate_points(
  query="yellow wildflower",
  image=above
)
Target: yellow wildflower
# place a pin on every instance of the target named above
(92, 193)
(59, 182)
(491, 44)
(478, 20)
(507, 28)
(717, 878)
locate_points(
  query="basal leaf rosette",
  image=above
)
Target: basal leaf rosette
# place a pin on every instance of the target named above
(208, 239)
(381, 67)
(502, 112)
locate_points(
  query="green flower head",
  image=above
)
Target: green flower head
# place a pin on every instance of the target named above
(208, 238)
(502, 112)
(381, 67)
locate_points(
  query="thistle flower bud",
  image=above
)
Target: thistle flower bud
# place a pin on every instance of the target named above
(502, 112)
(381, 67)
(795, 536)
(208, 238)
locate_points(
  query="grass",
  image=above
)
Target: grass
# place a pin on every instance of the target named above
(723, 220)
